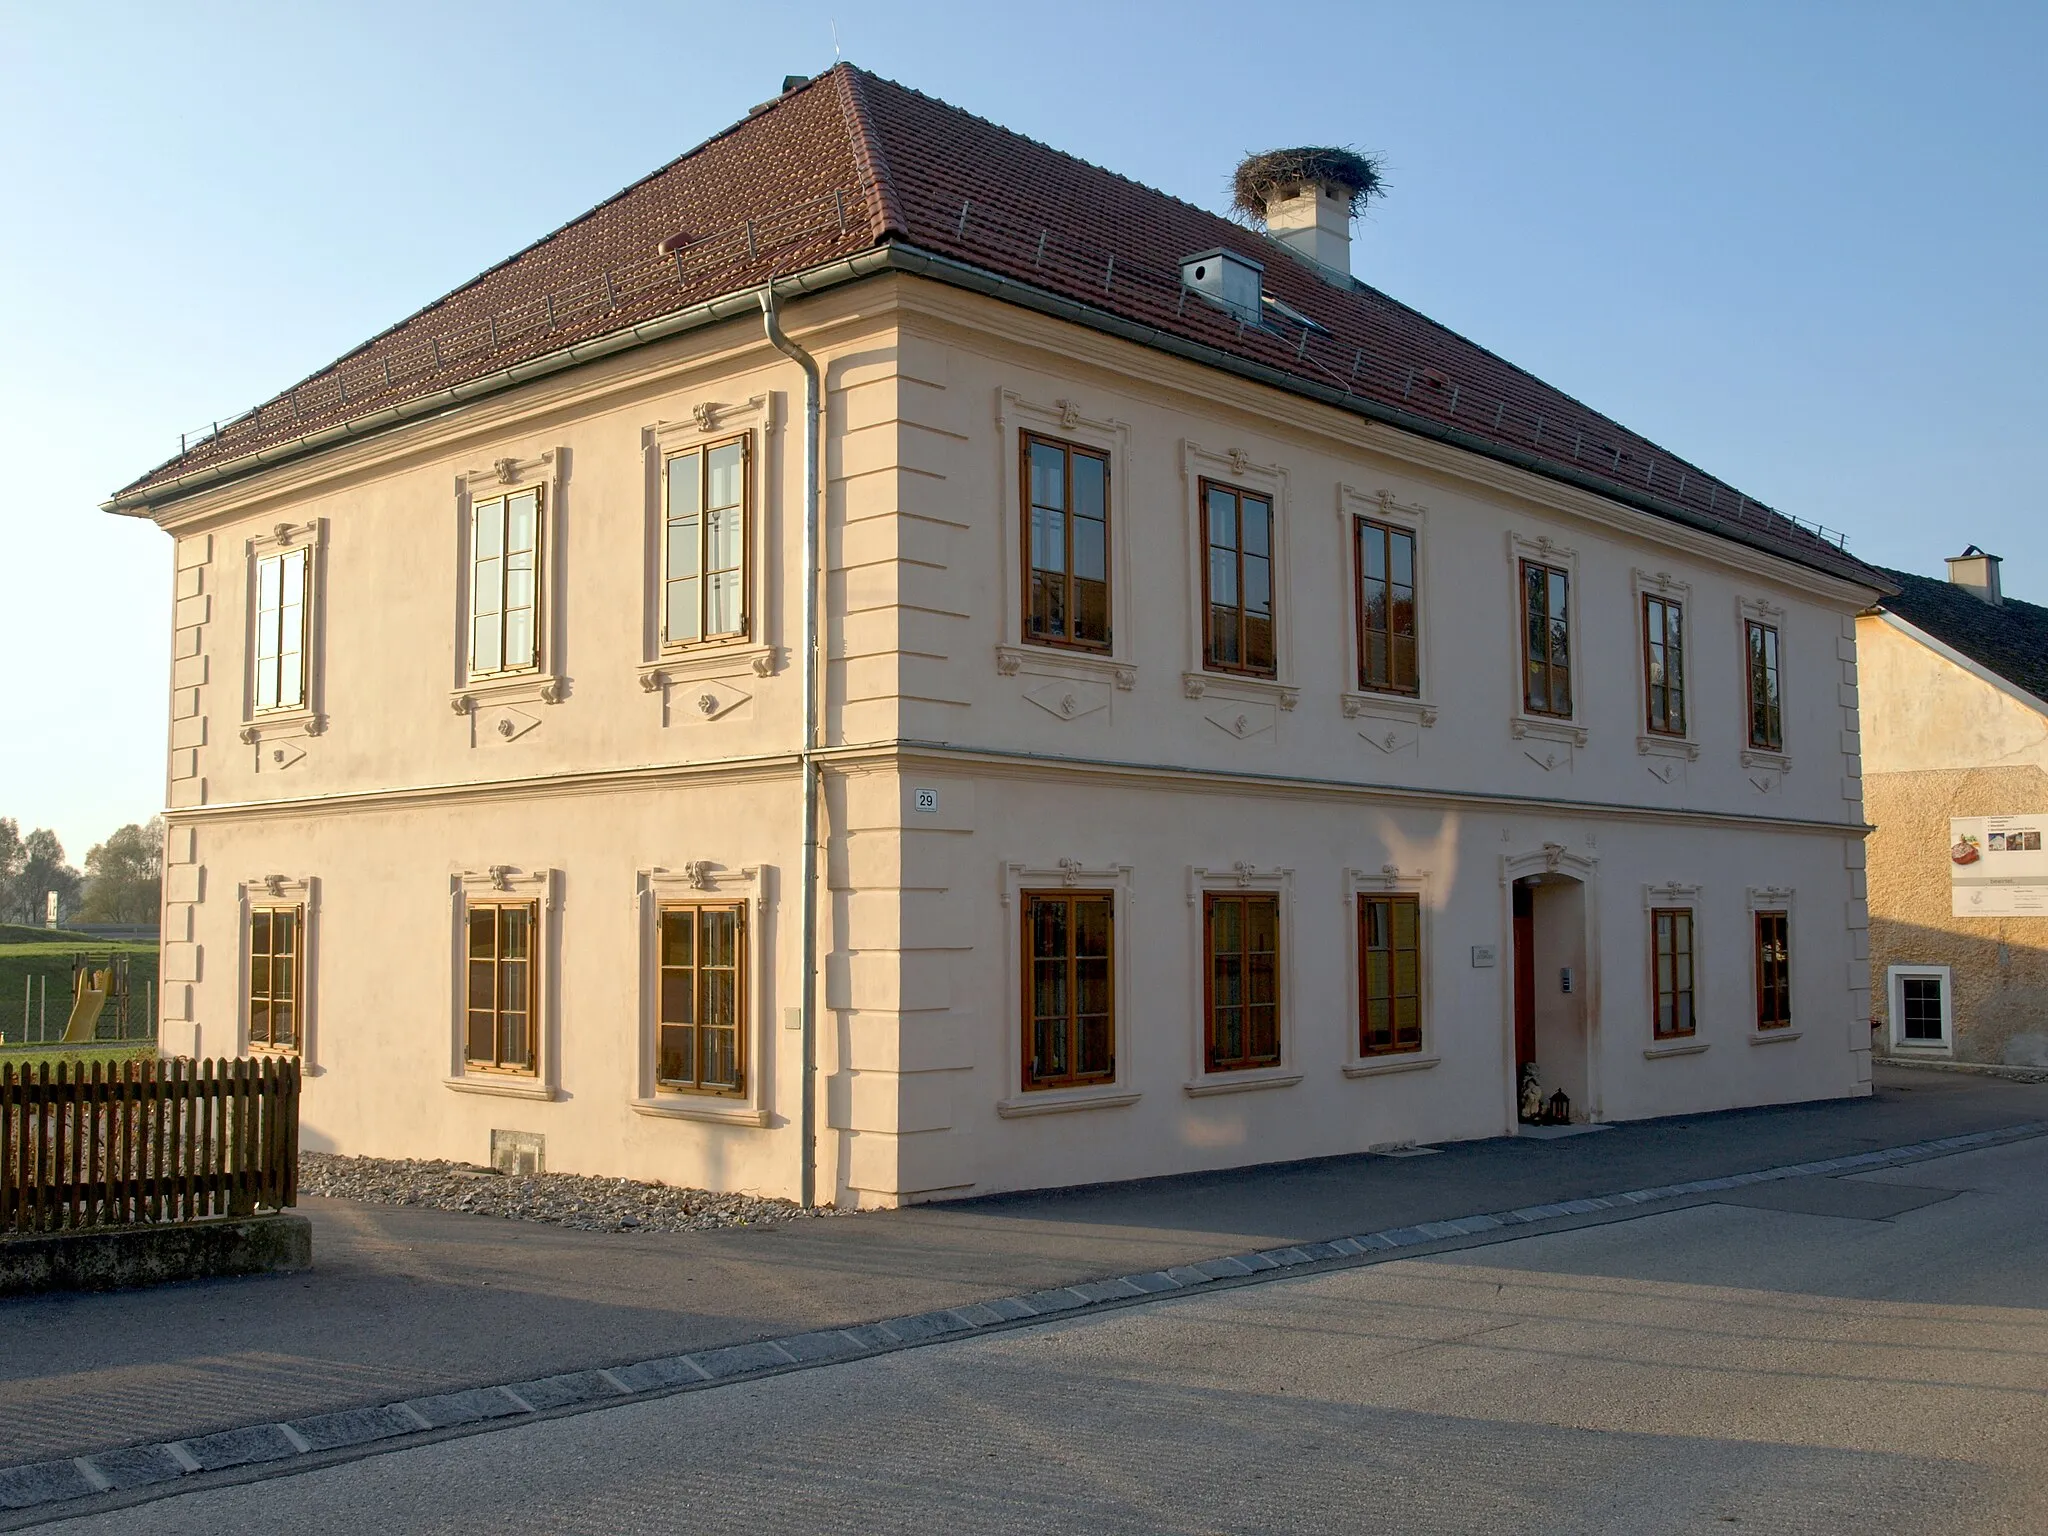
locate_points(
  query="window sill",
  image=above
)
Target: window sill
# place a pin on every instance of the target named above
(1055, 1102)
(280, 723)
(1214, 1083)
(1676, 1048)
(1772, 1036)
(1388, 706)
(514, 688)
(1382, 1066)
(734, 658)
(1930, 1048)
(507, 1087)
(1756, 757)
(1234, 685)
(1072, 665)
(1652, 745)
(677, 1107)
(1546, 728)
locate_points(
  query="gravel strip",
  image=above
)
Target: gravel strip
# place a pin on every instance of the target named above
(563, 1199)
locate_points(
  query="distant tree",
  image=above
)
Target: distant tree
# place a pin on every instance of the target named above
(42, 869)
(124, 876)
(12, 857)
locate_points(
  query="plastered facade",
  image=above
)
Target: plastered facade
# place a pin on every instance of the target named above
(615, 771)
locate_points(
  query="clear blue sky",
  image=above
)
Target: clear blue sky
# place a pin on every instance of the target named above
(1803, 245)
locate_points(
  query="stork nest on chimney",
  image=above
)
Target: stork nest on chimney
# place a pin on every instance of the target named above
(1281, 172)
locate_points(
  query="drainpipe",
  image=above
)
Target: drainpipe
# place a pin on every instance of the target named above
(808, 881)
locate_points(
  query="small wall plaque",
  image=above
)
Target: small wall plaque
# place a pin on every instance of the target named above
(925, 801)
(1485, 956)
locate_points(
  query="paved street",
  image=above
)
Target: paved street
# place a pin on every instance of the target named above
(1821, 1354)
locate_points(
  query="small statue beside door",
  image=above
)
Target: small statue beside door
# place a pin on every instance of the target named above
(1532, 1096)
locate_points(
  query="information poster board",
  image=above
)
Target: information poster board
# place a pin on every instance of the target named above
(1997, 866)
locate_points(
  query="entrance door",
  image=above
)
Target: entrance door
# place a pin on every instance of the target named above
(1525, 977)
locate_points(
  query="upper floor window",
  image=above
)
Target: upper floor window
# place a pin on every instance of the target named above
(700, 1029)
(1387, 660)
(1773, 970)
(1390, 990)
(1069, 996)
(1664, 665)
(272, 1003)
(1066, 544)
(1671, 958)
(1237, 580)
(281, 630)
(1546, 640)
(704, 550)
(1766, 717)
(1241, 963)
(498, 989)
(504, 583)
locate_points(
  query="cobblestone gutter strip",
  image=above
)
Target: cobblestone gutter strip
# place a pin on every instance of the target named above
(140, 1466)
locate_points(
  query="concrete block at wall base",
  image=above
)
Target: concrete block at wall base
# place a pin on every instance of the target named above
(906, 1167)
(120, 1257)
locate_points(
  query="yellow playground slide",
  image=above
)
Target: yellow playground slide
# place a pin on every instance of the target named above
(89, 995)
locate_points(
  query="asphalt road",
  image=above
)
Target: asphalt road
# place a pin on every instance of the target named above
(1826, 1354)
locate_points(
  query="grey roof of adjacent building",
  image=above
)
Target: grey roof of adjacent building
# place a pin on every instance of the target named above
(2008, 639)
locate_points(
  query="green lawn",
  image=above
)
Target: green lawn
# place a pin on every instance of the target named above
(48, 965)
(33, 1056)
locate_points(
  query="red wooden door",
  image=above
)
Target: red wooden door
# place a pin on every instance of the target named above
(1525, 978)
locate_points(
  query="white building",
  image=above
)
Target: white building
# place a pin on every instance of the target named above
(1251, 720)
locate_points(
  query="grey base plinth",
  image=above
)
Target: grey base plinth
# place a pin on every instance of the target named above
(119, 1257)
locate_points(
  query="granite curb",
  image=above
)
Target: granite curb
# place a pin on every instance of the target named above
(64, 1480)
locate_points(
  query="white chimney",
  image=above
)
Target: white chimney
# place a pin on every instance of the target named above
(1977, 574)
(1313, 219)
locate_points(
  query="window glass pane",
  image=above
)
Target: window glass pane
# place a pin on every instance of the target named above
(726, 464)
(513, 976)
(483, 932)
(1048, 539)
(678, 997)
(1091, 487)
(515, 929)
(1222, 519)
(681, 616)
(1258, 526)
(283, 1032)
(1091, 985)
(1049, 988)
(722, 603)
(1091, 927)
(721, 932)
(724, 532)
(721, 998)
(1091, 549)
(480, 1039)
(1048, 476)
(678, 937)
(488, 520)
(1223, 578)
(721, 1058)
(269, 584)
(675, 1054)
(522, 522)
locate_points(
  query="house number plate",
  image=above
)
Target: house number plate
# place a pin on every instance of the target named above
(925, 801)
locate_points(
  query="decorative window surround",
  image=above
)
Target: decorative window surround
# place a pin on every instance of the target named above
(303, 892)
(1388, 878)
(759, 418)
(308, 717)
(1067, 874)
(543, 683)
(1677, 1048)
(1377, 711)
(1523, 726)
(1014, 655)
(1772, 1036)
(1683, 896)
(1773, 898)
(1235, 468)
(508, 882)
(1766, 766)
(1682, 746)
(703, 880)
(1279, 881)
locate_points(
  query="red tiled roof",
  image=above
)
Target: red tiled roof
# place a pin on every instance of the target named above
(850, 162)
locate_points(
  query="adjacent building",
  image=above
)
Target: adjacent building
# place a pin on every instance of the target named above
(888, 662)
(1955, 704)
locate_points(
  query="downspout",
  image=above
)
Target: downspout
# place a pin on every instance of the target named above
(808, 880)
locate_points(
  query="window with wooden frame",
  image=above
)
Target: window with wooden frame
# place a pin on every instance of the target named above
(705, 544)
(1546, 640)
(1066, 543)
(1069, 989)
(500, 986)
(1664, 665)
(276, 948)
(700, 1031)
(1241, 973)
(281, 609)
(1237, 581)
(1387, 623)
(504, 583)
(1766, 714)
(1671, 960)
(1773, 970)
(1390, 985)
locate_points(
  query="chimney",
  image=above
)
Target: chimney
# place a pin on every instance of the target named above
(1307, 198)
(1977, 574)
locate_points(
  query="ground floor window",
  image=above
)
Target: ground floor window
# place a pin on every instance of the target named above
(1069, 991)
(1390, 986)
(700, 1033)
(1241, 966)
(1773, 970)
(1671, 945)
(499, 986)
(1921, 1006)
(272, 1006)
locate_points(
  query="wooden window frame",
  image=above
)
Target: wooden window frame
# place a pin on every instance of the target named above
(1210, 661)
(742, 1025)
(1030, 1078)
(268, 1042)
(1774, 667)
(495, 1065)
(1523, 566)
(1689, 993)
(1213, 1063)
(281, 558)
(1765, 987)
(537, 662)
(703, 451)
(1362, 528)
(1366, 901)
(1673, 687)
(1026, 440)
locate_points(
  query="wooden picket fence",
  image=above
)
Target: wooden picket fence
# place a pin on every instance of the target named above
(125, 1143)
